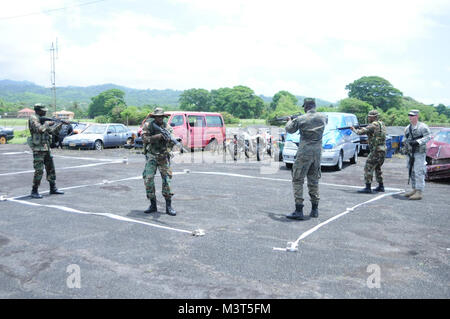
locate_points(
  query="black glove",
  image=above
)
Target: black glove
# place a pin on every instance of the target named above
(414, 144)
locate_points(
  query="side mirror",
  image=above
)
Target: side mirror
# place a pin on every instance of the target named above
(348, 132)
(109, 132)
(172, 124)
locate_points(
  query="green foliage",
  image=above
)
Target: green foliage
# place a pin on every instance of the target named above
(102, 119)
(357, 107)
(229, 119)
(327, 109)
(109, 103)
(285, 106)
(376, 91)
(276, 98)
(195, 100)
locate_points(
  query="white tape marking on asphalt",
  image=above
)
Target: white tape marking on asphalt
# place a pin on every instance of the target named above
(95, 184)
(348, 210)
(65, 168)
(284, 180)
(15, 153)
(108, 215)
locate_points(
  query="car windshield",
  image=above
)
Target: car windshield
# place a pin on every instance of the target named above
(333, 122)
(443, 136)
(95, 129)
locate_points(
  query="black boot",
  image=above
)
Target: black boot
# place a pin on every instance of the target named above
(366, 190)
(54, 190)
(35, 193)
(298, 213)
(169, 210)
(380, 188)
(152, 208)
(314, 210)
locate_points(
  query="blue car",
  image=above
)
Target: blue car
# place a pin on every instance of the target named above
(99, 136)
(338, 145)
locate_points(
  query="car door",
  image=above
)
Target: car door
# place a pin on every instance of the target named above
(196, 126)
(121, 134)
(177, 122)
(111, 136)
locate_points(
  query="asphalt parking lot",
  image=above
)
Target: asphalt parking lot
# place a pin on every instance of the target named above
(361, 246)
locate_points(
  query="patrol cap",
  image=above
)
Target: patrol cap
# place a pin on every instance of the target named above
(40, 107)
(158, 112)
(413, 112)
(373, 113)
(309, 102)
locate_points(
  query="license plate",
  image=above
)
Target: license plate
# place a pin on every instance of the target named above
(72, 144)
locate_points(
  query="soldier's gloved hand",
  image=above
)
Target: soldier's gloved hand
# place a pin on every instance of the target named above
(414, 143)
(50, 123)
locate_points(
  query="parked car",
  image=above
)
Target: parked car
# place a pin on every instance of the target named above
(438, 155)
(338, 145)
(79, 127)
(6, 134)
(99, 136)
(197, 130)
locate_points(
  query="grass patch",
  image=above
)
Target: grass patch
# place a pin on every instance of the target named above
(20, 137)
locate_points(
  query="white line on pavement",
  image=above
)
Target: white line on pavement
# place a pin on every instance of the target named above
(293, 246)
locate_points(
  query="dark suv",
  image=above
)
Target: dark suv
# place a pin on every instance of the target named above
(6, 134)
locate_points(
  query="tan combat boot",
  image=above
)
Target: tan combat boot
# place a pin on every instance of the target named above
(417, 195)
(410, 193)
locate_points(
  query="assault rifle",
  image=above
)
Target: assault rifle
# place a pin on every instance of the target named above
(413, 150)
(356, 126)
(285, 118)
(166, 136)
(44, 119)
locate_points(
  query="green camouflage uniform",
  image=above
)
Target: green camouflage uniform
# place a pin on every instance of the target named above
(376, 133)
(307, 163)
(157, 154)
(39, 142)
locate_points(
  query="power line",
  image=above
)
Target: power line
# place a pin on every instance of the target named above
(51, 10)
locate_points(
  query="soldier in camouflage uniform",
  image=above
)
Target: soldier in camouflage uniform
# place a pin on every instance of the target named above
(417, 134)
(307, 163)
(157, 154)
(39, 142)
(376, 133)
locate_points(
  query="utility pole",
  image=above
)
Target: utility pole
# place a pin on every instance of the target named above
(53, 55)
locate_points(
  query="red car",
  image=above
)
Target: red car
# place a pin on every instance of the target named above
(438, 155)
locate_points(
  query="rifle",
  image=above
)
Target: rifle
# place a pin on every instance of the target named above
(166, 135)
(357, 126)
(44, 119)
(413, 150)
(285, 118)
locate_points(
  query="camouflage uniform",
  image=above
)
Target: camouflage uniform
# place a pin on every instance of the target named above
(157, 154)
(39, 143)
(419, 170)
(376, 133)
(307, 163)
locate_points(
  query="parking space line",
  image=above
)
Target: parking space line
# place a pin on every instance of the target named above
(108, 215)
(293, 246)
(284, 180)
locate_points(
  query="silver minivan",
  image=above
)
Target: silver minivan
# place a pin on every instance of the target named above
(338, 145)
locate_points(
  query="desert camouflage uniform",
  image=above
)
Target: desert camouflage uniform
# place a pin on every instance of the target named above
(39, 143)
(307, 163)
(420, 169)
(157, 155)
(376, 133)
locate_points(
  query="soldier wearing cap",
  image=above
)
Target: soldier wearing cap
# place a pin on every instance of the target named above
(376, 133)
(417, 134)
(157, 154)
(39, 142)
(307, 163)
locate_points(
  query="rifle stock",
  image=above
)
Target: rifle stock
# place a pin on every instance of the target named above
(357, 126)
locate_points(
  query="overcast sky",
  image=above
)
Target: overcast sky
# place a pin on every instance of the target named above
(311, 48)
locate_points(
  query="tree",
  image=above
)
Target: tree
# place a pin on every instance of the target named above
(277, 96)
(376, 91)
(195, 100)
(285, 107)
(357, 107)
(105, 102)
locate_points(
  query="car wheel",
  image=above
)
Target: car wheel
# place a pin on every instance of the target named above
(98, 145)
(2, 140)
(354, 159)
(212, 146)
(288, 165)
(340, 161)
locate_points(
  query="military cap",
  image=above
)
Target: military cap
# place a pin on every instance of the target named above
(309, 102)
(158, 112)
(40, 107)
(413, 112)
(373, 113)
